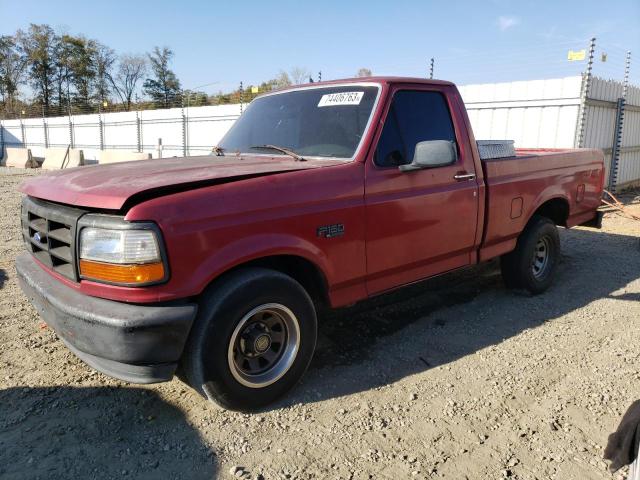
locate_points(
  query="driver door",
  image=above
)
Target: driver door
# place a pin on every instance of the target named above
(423, 222)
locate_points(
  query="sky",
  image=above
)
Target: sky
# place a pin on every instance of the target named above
(220, 43)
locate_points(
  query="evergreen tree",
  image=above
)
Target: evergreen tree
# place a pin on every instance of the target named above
(164, 87)
(38, 46)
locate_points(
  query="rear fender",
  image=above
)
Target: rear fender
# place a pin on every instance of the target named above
(553, 192)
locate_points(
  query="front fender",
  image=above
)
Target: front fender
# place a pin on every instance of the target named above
(259, 246)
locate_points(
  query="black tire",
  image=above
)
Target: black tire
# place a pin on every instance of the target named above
(520, 269)
(215, 372)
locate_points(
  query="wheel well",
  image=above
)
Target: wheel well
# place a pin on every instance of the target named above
(303, 271)
(556, 209)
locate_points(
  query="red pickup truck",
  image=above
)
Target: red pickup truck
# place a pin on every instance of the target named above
(213, 267)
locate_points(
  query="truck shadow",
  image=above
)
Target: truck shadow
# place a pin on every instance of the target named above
(384, 339)
(97, 432)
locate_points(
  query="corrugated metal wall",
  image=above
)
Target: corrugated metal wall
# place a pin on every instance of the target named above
(544, 113)
(536, 113)
(629, 167)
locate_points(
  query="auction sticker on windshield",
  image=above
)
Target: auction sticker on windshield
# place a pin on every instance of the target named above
(341, 98)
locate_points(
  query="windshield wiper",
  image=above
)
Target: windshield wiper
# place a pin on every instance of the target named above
(286, 151)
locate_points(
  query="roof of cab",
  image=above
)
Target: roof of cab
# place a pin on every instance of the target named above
(381, 80)
(386, 79)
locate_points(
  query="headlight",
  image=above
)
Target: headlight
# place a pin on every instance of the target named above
(126, 256)
(119, 246)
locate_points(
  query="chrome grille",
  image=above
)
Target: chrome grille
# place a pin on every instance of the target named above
(49, 230)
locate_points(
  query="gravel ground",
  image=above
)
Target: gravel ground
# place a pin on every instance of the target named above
(454, 378)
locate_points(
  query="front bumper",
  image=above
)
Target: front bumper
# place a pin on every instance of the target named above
(135, 343)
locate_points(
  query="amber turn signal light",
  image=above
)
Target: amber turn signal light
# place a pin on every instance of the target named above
(126, 274)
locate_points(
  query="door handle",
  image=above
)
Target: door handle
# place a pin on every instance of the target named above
(464, 176)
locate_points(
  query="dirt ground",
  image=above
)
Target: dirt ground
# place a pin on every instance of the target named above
(453, 378)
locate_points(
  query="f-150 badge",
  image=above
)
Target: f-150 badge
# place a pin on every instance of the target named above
(330, 231)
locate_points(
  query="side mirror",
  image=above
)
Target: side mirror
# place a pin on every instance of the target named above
(430, 154)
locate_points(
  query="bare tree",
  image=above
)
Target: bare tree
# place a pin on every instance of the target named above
(131, 69)
(364, 72)
(282, 80)
(299, 75)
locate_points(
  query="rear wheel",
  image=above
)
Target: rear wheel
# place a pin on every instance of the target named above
(252, 341)
(532, 264)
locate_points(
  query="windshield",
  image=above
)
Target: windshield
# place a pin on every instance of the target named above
(315, 122)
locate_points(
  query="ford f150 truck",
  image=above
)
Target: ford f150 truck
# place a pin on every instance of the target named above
(213, 267)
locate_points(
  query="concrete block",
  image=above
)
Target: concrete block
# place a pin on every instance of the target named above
(56, 158)
(18, 157)
(116, 156)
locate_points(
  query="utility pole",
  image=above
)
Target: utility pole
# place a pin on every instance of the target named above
(241, 97)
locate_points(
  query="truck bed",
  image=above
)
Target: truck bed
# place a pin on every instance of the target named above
(572, 178)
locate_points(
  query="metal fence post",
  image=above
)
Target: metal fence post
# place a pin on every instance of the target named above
(44, 129)
(100, 127)
(184, 127)
(23, 133)
(584, 95)
(625, 81)
(70, 127)
(619, 129)
(1, 140)
(139, 129)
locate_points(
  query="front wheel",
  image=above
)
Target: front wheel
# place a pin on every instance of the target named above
(533, 263)
(252, 341)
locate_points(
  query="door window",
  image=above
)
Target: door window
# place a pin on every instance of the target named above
(415, 116)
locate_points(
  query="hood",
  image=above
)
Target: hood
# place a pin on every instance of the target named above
(110, 186)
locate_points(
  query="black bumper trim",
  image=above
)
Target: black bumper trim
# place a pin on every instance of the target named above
(161, 372)
(136, 343)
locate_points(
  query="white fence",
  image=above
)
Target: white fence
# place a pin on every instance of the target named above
(536, 113)
(188, 131)
(600, 127)
(545, 113)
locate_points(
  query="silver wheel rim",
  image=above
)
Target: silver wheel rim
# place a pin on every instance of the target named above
(264, 345)
(540, 258)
